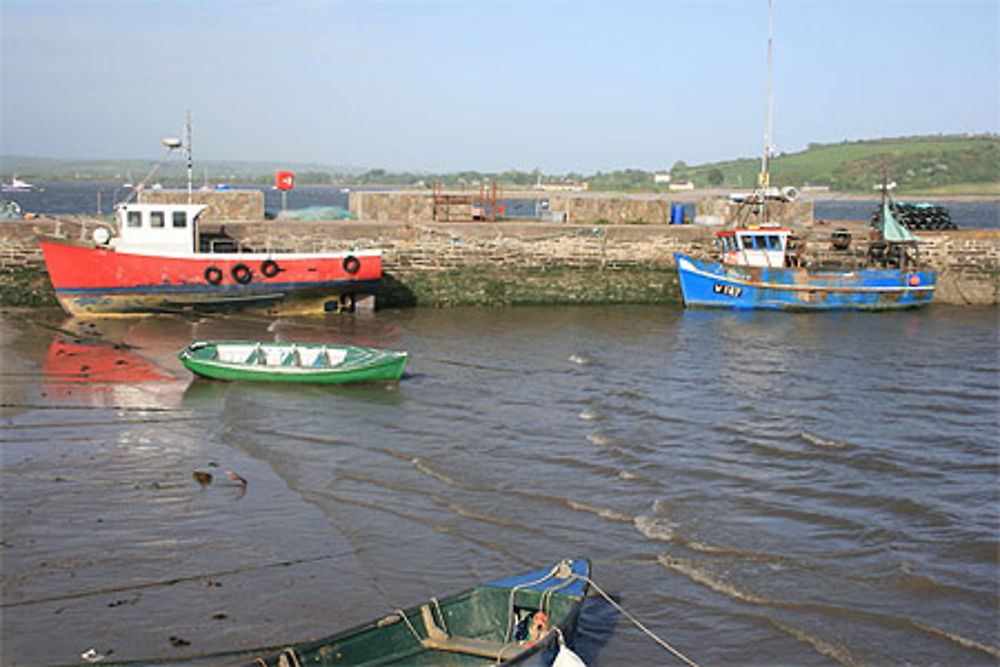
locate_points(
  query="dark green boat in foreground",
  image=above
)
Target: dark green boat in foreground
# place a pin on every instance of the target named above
(504, 622)
(291, 362)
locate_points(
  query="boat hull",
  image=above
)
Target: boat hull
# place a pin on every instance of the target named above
(92, 280)
(257, 362)
(477, 624)
(716, 285)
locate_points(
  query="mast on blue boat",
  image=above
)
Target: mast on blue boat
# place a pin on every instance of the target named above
(753, 206)
(764, 178)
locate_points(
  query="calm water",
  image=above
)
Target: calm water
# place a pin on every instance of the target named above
(69, 198)
(91, 198)
(762, 488)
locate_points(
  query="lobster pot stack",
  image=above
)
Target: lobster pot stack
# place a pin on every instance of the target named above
(917, 217)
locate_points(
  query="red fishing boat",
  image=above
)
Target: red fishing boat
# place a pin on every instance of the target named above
(157, 261)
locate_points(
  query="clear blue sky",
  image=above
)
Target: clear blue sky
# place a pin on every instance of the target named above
(490, 85)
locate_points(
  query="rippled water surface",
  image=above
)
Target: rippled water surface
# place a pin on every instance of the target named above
(759, 488)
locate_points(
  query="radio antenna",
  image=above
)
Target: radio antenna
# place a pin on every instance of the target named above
(187, 151)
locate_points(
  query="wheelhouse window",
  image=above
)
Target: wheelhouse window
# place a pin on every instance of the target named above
(180, 219)
(156, 219)
(135, 218)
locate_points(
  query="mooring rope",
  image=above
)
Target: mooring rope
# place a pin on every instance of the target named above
(649, 633)
(176, 580)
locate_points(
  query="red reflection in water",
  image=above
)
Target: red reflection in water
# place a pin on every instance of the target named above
(78, 361)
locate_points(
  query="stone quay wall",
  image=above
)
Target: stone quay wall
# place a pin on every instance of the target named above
(434, 263)
(498, 263)
(220, 204)
(581, 208)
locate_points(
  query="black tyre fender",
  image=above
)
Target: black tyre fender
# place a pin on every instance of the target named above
(242, 274)
(351, 264)
(213, 275)
(269, 268)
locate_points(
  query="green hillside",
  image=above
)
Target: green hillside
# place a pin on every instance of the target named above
(943, 165)
(967, 163)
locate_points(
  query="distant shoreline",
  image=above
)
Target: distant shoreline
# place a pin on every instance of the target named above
(854, 196)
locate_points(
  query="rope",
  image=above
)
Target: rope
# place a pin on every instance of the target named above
(289, 653)
(177, 580)
(410, 626)
(513, 591)
(444, 623)
(649, 633)
(506, 647)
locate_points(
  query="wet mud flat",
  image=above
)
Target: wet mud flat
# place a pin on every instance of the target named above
(131, 529)
(829, 498)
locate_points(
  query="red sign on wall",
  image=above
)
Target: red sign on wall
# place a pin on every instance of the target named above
(284, 180)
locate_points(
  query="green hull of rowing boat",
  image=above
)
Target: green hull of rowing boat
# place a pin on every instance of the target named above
(475, 627)
(287, 362)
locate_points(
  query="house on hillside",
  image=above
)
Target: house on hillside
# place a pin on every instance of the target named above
(562, 186)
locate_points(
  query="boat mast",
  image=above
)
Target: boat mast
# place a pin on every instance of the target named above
(764, 178)
(759, 200)
(187, 151)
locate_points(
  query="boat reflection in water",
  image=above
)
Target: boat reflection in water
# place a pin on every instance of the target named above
(113, 374)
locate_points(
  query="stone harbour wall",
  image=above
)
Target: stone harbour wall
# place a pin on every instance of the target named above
(499, 263)
(573, 208)
(968, 265)
(221, 204)
(476, 245)
(434, 263)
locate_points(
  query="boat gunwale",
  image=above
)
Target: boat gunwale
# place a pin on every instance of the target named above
(797, 287)
(373, 361)
(206, 256)
(414, 612)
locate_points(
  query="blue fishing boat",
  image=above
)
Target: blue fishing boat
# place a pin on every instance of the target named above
(760, 264)
(759, 268)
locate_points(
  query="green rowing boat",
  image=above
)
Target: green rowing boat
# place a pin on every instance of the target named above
(291, 362)
(502, 622)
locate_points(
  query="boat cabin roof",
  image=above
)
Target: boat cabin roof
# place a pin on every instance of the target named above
(754, 230)
(158, 227)
(757, 245)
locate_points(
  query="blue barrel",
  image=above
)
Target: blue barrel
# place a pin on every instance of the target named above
(677, 214)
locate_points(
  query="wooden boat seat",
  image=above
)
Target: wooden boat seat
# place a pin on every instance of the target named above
(439, 640)
(291, 359)
(478, 647)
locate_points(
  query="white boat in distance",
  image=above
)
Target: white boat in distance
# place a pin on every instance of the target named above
(17, 185)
